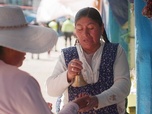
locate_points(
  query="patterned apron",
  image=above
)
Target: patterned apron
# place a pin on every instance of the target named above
(105, 81)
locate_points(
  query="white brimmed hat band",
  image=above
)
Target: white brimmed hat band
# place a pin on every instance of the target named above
(11, 27)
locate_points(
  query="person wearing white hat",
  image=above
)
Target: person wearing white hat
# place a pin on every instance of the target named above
(20, 92)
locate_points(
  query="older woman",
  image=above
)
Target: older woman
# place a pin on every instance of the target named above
(20, 92)
(103, 66)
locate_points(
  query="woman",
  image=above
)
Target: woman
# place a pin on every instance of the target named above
(103, 66)
(20, 92)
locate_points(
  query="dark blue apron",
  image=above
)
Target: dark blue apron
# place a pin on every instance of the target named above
(106, 78)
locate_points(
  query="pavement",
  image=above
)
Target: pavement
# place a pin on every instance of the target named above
(42, 68)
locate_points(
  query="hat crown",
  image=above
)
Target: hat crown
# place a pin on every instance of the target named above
(17, 34)
(11, 16)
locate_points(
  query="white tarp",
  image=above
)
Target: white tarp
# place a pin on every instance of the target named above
(52, 9)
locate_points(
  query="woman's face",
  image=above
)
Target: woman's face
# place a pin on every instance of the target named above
(88, 33)
(13, 57)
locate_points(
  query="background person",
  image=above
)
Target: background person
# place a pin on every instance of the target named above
(103, 65)
(67, 29)
(54, 25)
(20, 92)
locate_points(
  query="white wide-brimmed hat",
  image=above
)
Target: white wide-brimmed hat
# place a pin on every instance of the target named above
(17, 34)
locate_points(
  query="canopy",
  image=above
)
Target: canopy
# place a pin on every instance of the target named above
(52, 9)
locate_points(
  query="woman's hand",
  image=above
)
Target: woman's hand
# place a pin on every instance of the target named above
(92, 103)
(82, 101)
(74, 68)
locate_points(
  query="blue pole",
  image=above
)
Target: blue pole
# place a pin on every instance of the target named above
(143, 44)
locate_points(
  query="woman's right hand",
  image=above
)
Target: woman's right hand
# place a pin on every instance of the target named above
(74, 68)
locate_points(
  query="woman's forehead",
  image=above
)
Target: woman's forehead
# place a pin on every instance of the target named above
(85, 20)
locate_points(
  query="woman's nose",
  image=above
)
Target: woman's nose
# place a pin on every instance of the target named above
(85, 32)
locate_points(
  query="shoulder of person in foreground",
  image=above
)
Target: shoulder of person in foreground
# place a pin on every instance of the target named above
(26, 96)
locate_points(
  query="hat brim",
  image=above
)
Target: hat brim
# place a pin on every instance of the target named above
(33, 39)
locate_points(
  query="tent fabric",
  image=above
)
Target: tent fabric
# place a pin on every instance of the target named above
(114, 30)
(120, 10)
(52, 9)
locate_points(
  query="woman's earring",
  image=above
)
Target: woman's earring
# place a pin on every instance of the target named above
(76, 41)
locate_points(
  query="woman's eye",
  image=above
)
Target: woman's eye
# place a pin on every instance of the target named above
(78, 28)
(90, 27)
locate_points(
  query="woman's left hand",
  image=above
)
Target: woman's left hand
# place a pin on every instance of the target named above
(92, 103)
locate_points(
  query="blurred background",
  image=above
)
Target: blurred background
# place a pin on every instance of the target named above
(118, 18)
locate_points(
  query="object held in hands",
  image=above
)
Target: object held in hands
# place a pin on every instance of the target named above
(79, 81)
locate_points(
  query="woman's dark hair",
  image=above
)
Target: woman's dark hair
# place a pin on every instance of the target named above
(93, 14)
